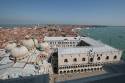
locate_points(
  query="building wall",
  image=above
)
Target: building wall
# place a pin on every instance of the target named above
(70, 58)
(93, 60)
(80, 65)
(63, 43)
(96, 56)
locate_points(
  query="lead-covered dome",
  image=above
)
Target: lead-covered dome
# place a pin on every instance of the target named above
(45, 45)
(10, 46)
(30, 43)
(19, 52)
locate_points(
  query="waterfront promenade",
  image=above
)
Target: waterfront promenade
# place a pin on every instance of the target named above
(57, 78)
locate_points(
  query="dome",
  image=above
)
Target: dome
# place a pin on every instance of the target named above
(10, 46)
(45, 45)
(19, 51)
(36, 42)
(30, 43)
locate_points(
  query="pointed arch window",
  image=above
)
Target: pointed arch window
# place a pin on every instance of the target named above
(83, 59)
(75, 60)
(65, 60)
(98, 58)
(115, 57)
(107, 57)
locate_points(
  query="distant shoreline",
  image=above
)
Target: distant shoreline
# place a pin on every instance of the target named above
(60, 25)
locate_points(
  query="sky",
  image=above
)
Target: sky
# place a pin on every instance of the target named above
(98, 12)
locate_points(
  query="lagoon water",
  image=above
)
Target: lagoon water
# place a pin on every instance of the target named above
(114, 36)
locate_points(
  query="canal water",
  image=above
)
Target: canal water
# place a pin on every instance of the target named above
(114, 36)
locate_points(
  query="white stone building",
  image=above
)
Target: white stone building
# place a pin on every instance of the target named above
(81, 54)
(56, 42)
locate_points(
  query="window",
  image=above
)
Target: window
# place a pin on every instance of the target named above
(68, 71)
(59, 42)
(50, 42)
(74, 59)
(65, 60)
(65, 39)
(74, 70)
(107, 57)
(98, 58)
(81, 70)
(71, 71)
(60, 72)
(85, 70)
(115, 57)
(91, 69)
(64, 71)
(78, 70)
(83, 59)
(75, 38)
(91, 59)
